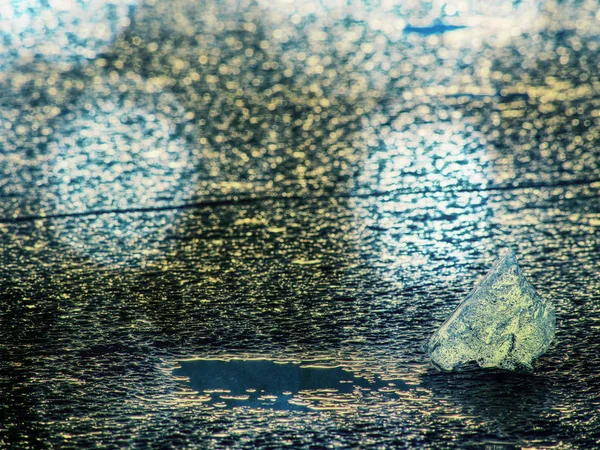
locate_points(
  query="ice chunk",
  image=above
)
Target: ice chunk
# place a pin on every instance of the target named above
(502, 323)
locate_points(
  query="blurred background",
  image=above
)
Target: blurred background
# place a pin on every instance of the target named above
(293, 181)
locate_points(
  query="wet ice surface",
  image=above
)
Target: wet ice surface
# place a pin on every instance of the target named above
(90, 353)
(314, 186)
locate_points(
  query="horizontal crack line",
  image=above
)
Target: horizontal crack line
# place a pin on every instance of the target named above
(244, 200)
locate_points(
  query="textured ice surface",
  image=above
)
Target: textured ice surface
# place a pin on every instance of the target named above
(502, 323)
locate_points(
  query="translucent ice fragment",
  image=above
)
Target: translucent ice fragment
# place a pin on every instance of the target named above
(502, 323)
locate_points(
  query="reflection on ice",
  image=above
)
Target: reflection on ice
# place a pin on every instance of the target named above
(135, 155)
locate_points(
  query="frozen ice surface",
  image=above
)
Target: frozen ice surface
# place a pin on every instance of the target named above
(503, 323)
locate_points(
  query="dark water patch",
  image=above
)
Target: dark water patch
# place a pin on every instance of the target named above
(270, 384)
(435, 28)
